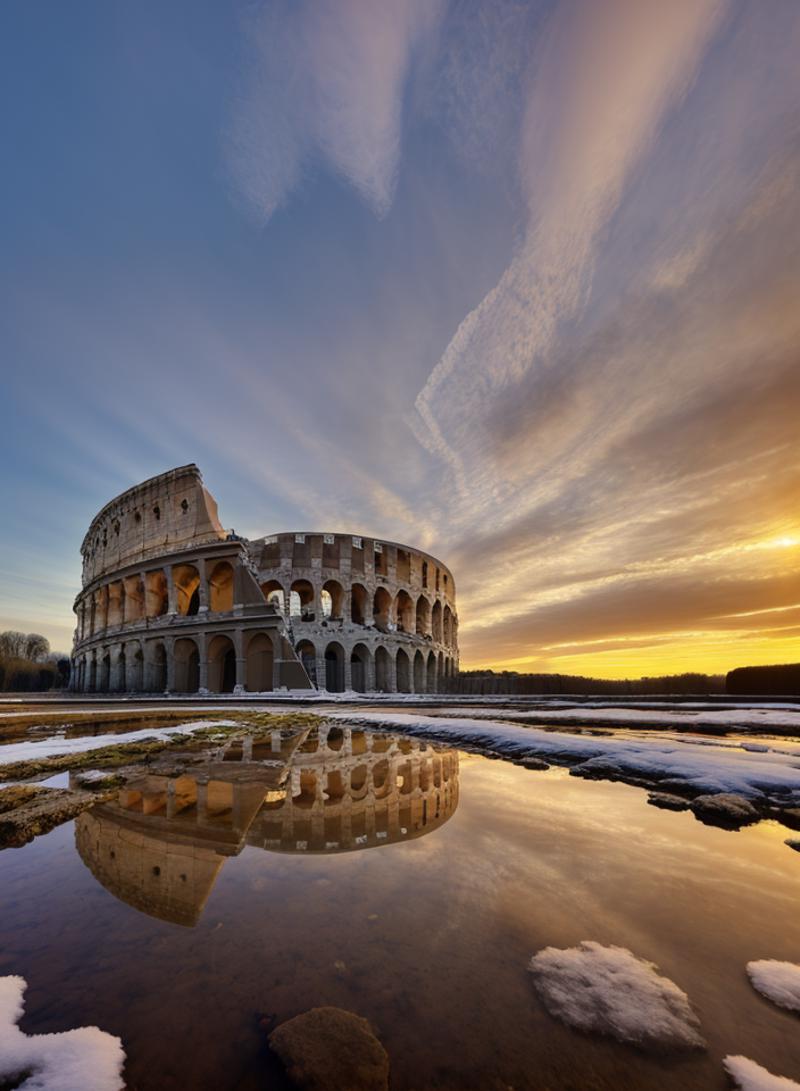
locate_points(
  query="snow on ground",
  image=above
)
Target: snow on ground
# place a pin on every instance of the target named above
(749, 1076)
(30, 750)
(778, 981)
(608, 990)
(729, 716)
(770, 776)
(86, 1058)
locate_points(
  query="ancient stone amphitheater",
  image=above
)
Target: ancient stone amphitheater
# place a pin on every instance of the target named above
(172, 602)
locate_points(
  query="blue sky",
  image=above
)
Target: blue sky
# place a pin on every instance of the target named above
(515, 282)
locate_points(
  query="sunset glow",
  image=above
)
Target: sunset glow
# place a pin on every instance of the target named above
(516, 283)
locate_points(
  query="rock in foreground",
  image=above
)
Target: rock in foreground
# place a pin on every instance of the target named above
(327, 1048)
(667, 801)
(725, 808)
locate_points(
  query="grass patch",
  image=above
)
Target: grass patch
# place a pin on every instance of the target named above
(118, 754)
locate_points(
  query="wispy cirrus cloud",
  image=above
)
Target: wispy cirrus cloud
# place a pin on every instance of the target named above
(326, 78)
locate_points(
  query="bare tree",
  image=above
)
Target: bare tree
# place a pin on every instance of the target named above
(37, 647)
(12, 644)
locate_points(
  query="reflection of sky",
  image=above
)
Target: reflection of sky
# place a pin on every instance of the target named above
(515, 282)
(425, 938)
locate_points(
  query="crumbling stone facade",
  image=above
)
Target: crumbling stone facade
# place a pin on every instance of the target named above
(172, 602)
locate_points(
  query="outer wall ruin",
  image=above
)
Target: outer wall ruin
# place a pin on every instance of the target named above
(171, 602)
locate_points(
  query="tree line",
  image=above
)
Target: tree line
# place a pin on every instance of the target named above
(28, 665)
(780, 680)
(514, 683)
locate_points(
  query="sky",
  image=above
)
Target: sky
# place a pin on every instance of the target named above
(514, 282)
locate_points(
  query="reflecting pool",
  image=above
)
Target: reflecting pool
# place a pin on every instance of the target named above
(403, 881)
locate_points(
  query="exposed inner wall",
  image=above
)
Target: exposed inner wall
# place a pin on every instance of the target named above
(162, 515)
(171, 602)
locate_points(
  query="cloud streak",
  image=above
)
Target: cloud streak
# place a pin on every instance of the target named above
(326, 79)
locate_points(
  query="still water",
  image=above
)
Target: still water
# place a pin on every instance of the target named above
(404, 882)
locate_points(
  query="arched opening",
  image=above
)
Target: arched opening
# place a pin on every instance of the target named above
(359, 668)
(436, 622)
(404, 612)
(221, 664)
(301, 600)
(220, 588)
(186, 659)
(430, 680)
(133, 600)
(382, 609)
(447, 626)
(92, 674)
(332, 599)
(383, 670)
(308, 657)
(403, 668)
(423, 624)
(156, 596)
(359, 600)
(419, 673)
(334, 668)
(273, 592)
(105, 673)
(186, 579)
(158, 667)
(440, 669)
(260, 658)
(116, 600)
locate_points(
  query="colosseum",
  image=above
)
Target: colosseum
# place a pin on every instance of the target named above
(171, 602)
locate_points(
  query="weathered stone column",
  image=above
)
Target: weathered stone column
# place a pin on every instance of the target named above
(241, 662)
(369, 673)
(348, 680)
(202, 684)
(114, 677)
(202, 589)
(169, 647)
(322, 677)
(172, 604)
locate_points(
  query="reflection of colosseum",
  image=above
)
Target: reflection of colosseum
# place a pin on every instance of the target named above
(160, 845)
(173, 602)
(350, 790)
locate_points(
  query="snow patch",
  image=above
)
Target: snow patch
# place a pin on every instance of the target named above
(47, 748)
(778, 981)
(749, 1076)
(86, 1058)
(673, 764)
(608, 990)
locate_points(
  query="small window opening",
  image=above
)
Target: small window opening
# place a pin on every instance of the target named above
(157, 511)
(185, 505)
